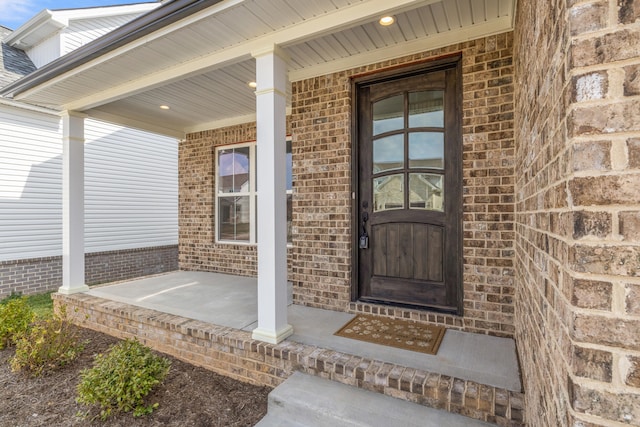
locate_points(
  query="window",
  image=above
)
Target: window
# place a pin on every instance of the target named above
(237, 191)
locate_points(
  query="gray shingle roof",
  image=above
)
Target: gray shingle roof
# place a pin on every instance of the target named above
(14, 63)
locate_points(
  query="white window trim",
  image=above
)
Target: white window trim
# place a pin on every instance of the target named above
(252, 194)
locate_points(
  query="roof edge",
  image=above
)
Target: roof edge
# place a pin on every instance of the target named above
(145, 24)
(32, 25)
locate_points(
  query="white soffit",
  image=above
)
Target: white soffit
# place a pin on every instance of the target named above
(200, 65)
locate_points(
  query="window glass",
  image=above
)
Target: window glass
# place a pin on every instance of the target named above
(388, 192)
(426, 191)
(426, 109)
(388, 114)
(233, 170)
(426, 150)
(388, 153)
(233, 218)
(237, 193)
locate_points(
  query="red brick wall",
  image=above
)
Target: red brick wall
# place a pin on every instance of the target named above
(320, 125)
(578, 192)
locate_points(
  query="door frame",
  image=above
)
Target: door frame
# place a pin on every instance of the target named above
(389, 74)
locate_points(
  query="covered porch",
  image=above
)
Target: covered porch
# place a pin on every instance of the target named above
(207, 318)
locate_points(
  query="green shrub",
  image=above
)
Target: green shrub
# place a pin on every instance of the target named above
(12, 296)
(50, 344)
(15, 318)
(120, 379)
(42, 304)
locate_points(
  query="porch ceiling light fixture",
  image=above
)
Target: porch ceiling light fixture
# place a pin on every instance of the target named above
(385, 21)
(165, 107)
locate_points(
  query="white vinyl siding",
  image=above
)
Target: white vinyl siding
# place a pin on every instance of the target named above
(45, 51)
(82, 31)
(131, 176)
(30, 184)
(131, 186)
(77, 34)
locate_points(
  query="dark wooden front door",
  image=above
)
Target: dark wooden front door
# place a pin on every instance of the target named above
(409, 189)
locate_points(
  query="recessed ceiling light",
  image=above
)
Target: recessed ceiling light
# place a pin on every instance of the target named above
(164, 107)
(253, 85)
(387, 20)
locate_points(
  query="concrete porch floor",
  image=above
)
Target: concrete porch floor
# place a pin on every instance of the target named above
(231, 301)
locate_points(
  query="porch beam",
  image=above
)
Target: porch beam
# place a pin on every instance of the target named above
(271, 94)
(72, 203)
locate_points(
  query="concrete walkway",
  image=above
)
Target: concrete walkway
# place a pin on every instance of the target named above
(231, 301)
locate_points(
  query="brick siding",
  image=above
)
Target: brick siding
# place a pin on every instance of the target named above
(37, 275)
(233, 353)
(110, 266)
(320, 258)
(30, 276)
(578, 192)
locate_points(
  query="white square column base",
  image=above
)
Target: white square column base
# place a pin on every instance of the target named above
(72, 290)
(269, 337)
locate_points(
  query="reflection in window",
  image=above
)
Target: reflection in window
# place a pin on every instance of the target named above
(388, 114)
(388, 153)
(426, 109)
(388, 192)
(426, 150)
(234, 218)
(233, 170)
(237, 191)
(426, 191)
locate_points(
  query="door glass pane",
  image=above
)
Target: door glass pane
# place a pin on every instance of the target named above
(388, 153)
(426, 109)
(233, 170)
(426, 191)
(388, 114)
(388, 193)
(233, 218)
(426, 150)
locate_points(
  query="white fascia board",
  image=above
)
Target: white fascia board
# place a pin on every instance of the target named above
(497, 26)
(47, 22)
(135, 44)
(66, 15)
(323, 24)
(29, 107)
(223, 123)
(40, 27)
(136, 124)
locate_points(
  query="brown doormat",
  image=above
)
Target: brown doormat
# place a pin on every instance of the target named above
(394, 333)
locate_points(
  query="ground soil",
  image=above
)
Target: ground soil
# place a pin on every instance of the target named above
(189, 396)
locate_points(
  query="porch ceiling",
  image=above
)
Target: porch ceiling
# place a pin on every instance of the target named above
(200, 65)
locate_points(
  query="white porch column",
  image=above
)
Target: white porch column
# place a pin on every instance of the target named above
(72, 203)
(271, 94)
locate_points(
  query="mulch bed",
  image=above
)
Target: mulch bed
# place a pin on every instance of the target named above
(189, 396)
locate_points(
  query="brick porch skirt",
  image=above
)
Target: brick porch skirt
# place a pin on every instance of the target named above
(232, 352)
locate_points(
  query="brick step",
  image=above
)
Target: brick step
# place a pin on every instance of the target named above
(309, 401)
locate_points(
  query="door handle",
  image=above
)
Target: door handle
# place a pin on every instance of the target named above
(364, 237)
